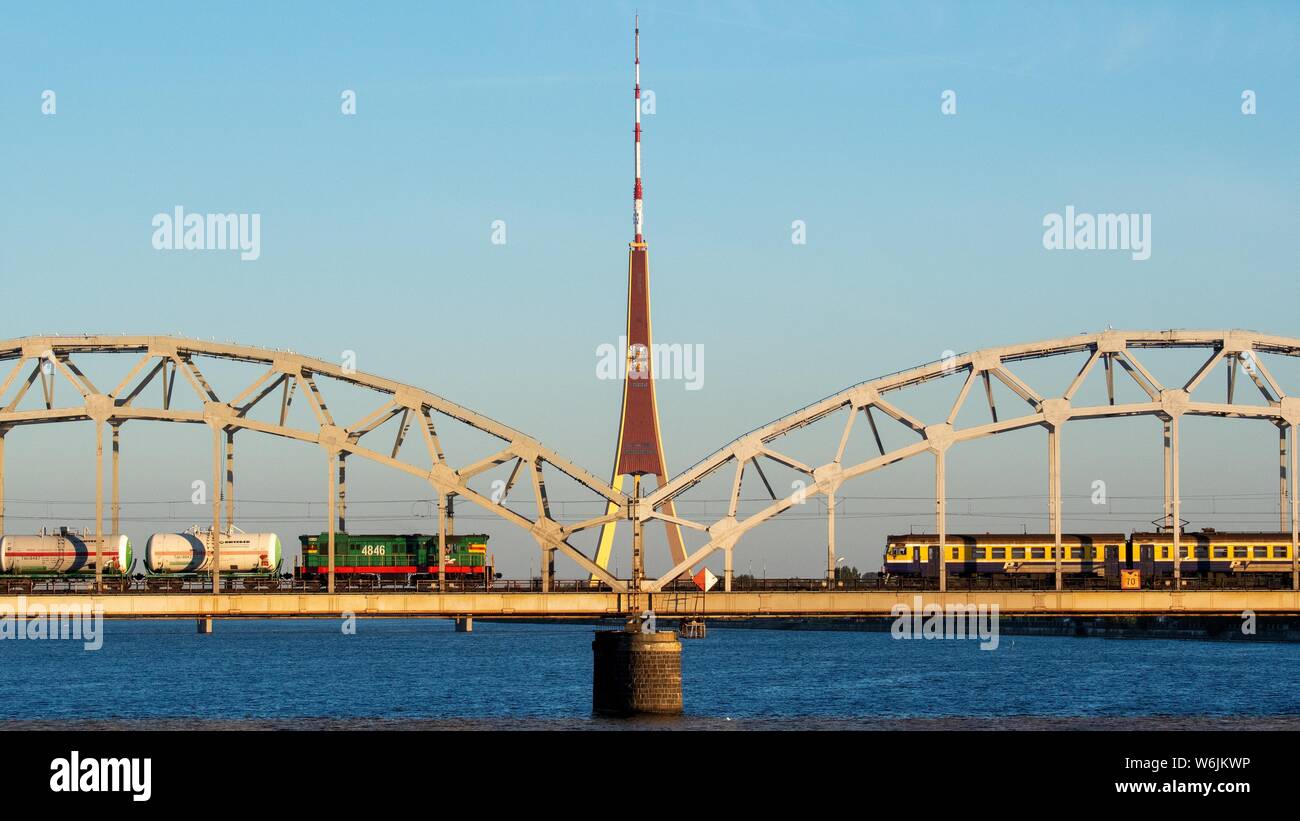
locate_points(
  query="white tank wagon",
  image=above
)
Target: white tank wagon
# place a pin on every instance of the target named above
(63, 553)
(191, 552)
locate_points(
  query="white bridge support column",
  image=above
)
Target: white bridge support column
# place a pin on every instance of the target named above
(330, 522)
(1054, 494)
(99, 506)
(830, 535)
(2, 481)
(1283, 477)
(116, 508)
(941, 516)
(442, 542)
(343, 493)
(216, 493)
(1295, 511)
(547, 565)
(1176, 502)
(1169, 505)
(228, 491)
(727, 566)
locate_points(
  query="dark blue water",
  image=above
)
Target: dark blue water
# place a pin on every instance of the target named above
(420, 669)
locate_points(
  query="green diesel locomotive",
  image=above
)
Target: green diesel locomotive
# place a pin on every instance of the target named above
(408, 558)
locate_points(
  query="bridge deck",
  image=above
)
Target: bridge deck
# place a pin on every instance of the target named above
(602, 604)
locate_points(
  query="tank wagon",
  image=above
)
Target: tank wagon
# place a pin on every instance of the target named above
(191, 553)
(63, 553)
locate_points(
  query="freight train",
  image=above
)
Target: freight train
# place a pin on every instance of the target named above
(409, 558)
(171, 558)
(67, 554)
(1207, 553)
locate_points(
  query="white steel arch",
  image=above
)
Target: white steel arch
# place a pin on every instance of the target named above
(52, 360)
(1110, 349)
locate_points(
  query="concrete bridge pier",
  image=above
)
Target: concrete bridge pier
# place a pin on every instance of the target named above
(205, 626)
(636, 673)
(464, 624)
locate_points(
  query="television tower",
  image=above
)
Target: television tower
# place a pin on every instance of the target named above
(640, 448)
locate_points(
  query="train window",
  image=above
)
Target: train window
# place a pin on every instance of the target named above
(979, 552)
(1017, 552)
(1220, 551)
(1037, 552)
(956, 552)
(1182, 551)
(1201, 552)
(1279, 552)
(999, 552)
(1240, 552)
(1261, 552)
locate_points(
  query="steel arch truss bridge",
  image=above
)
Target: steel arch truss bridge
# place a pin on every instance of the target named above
(1118, 353)
(149, 391)
(273, 380)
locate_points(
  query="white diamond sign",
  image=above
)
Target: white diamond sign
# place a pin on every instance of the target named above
(705, 579)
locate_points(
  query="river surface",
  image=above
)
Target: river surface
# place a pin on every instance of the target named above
(421, 673)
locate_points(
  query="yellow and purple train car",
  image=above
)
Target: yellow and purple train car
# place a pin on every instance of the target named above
(1206, 552)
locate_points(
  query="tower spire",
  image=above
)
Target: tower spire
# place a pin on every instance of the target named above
(639, 451)
(637, 207)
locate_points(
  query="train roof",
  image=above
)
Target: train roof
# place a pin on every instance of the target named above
(1216, 535)
(1238, 536)
(337, 533)
(1009, 538)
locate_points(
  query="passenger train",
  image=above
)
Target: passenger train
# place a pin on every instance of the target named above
(1207, 553)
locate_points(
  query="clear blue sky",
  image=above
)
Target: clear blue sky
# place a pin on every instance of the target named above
(924, 231)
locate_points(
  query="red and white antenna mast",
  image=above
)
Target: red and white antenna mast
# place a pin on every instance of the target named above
(637, 208)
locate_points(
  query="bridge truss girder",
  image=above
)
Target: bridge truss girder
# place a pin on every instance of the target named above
(52, 361)
(1112, 350)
